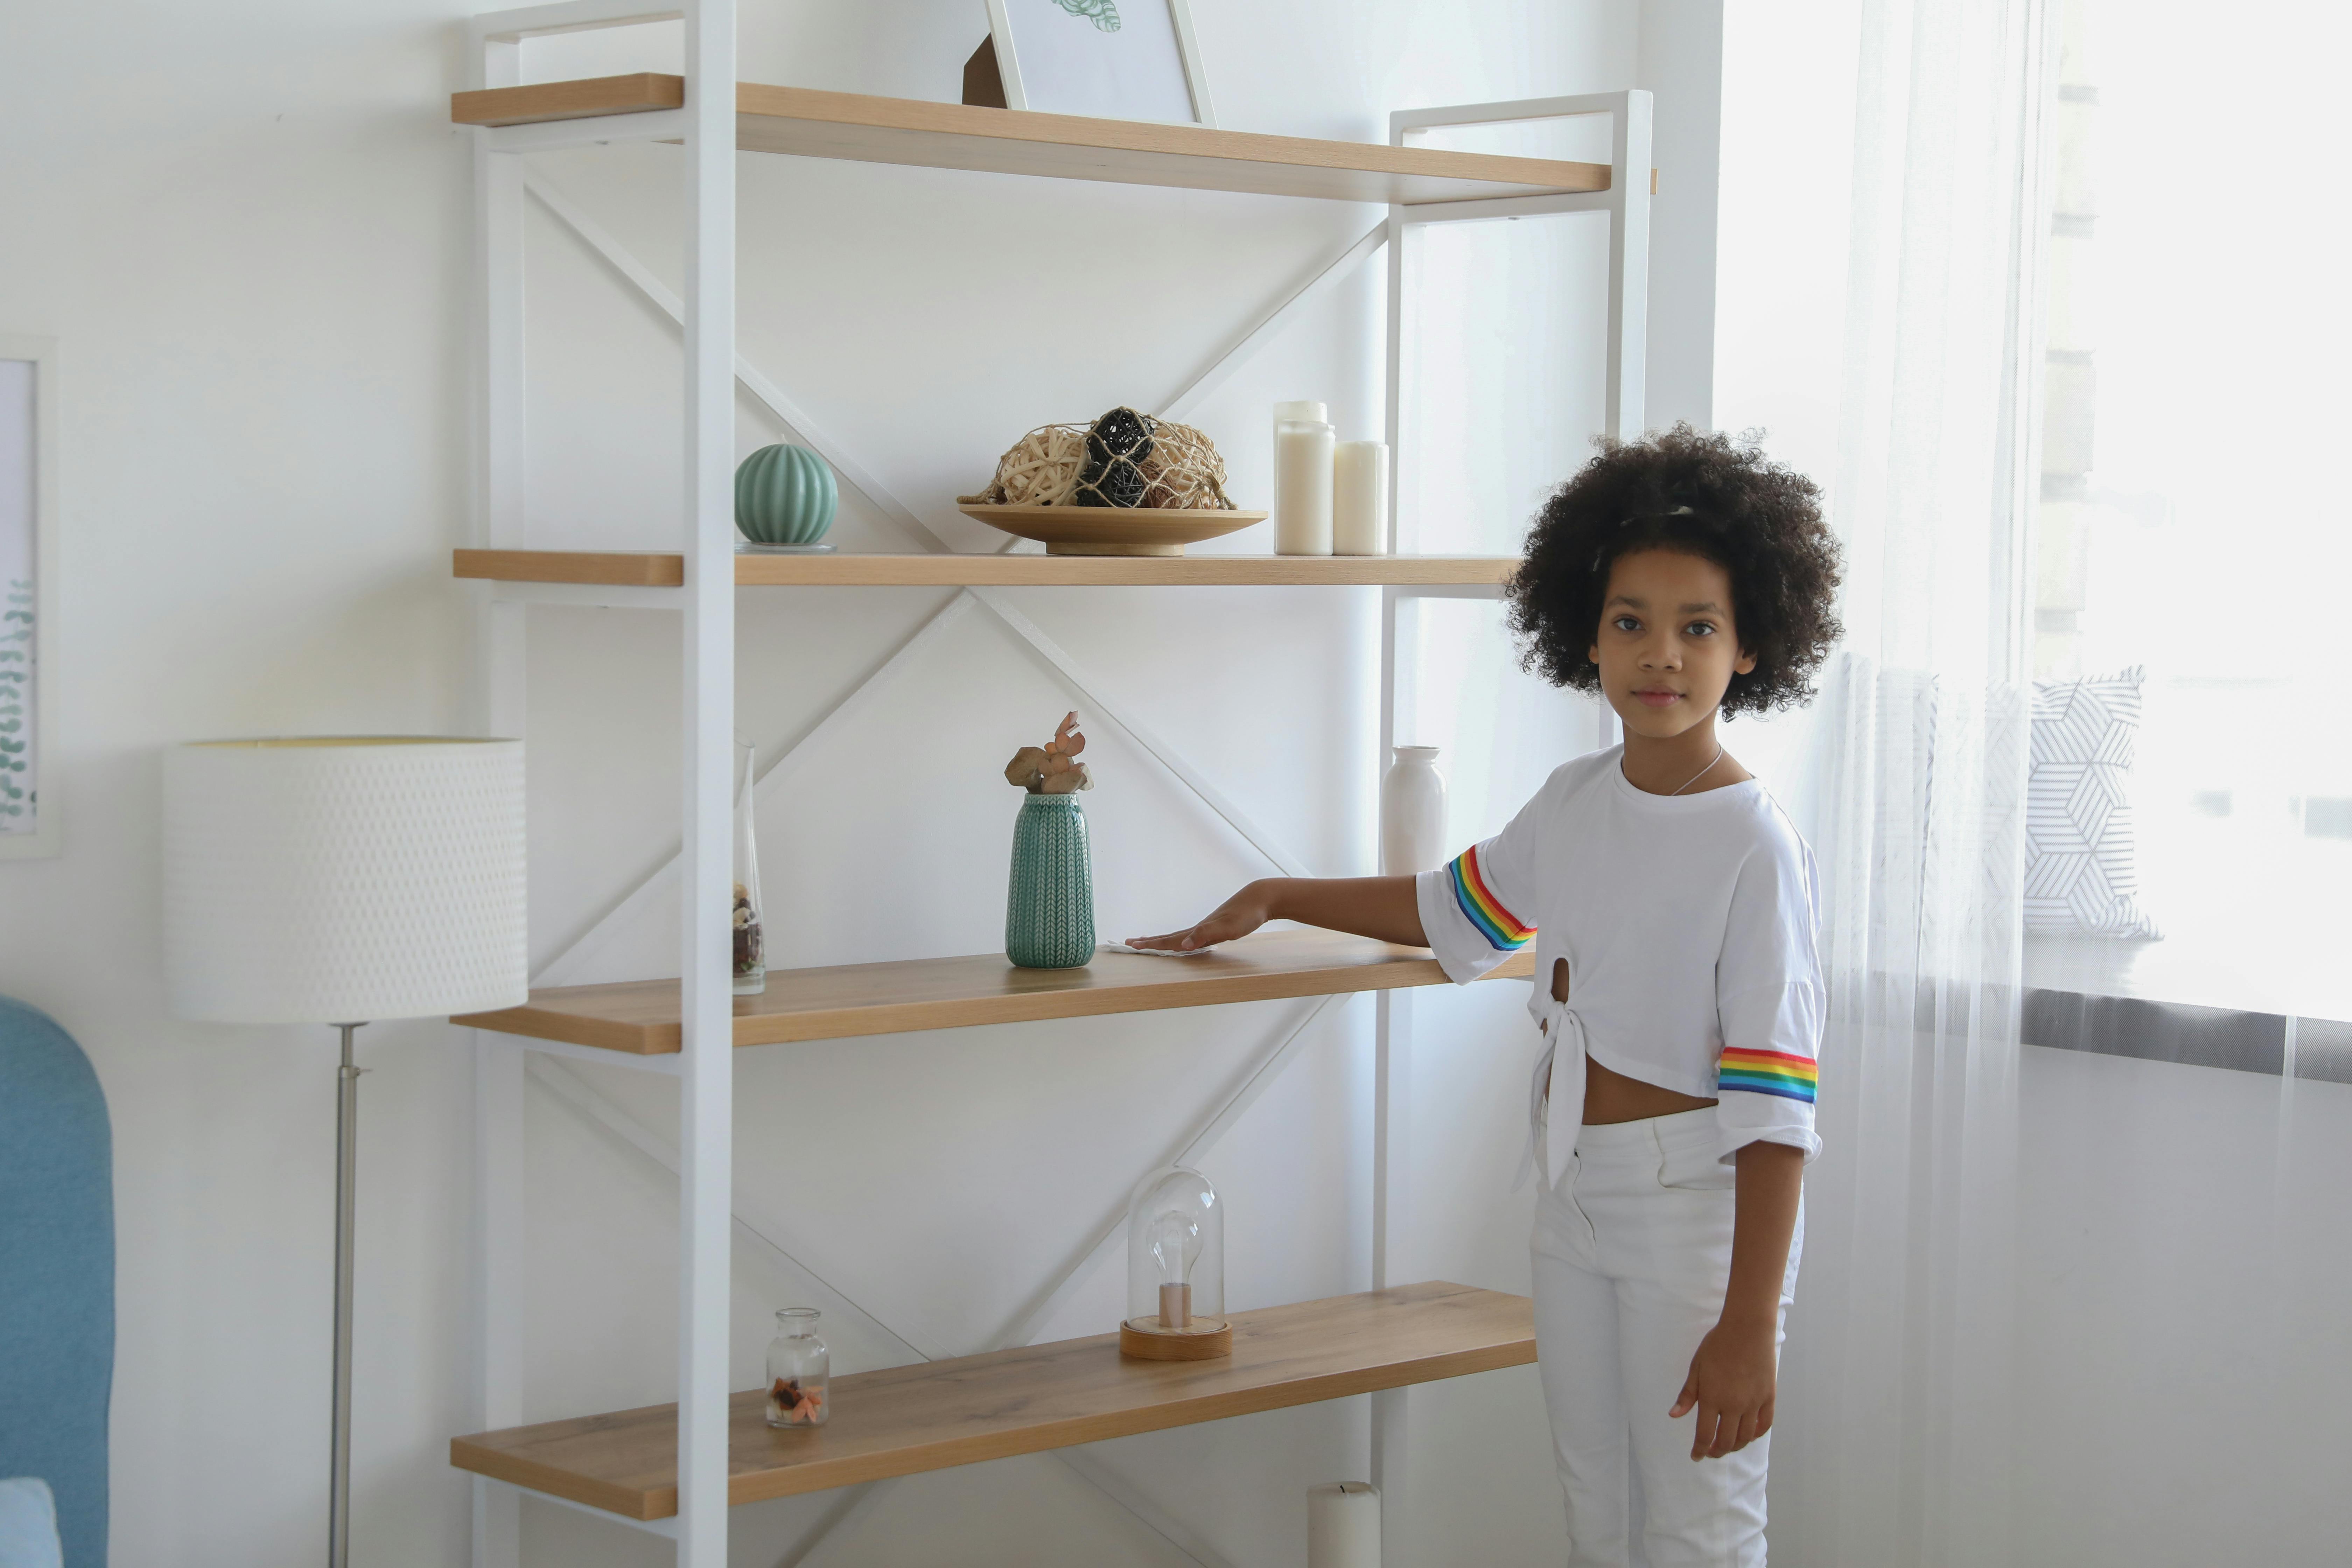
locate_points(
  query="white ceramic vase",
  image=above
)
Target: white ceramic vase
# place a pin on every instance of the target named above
(1412, 813)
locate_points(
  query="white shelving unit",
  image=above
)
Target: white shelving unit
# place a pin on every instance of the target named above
(1381, 1342)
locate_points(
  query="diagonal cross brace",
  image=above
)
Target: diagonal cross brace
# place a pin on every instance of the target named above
(765, 1234)
(577, 960)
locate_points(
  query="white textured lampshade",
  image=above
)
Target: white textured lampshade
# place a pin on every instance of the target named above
(343, 879)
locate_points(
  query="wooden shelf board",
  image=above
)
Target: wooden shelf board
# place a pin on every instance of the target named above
(865, 129)
(638, 92)
(641, 1016)
(947, 571)
(936, 1414)
(618, 568)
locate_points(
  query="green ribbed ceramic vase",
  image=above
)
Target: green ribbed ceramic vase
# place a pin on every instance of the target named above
(1049, 908)
(784, 495)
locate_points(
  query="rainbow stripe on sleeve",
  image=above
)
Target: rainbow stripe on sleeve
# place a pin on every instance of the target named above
(1767, 1072)
(1499, 926)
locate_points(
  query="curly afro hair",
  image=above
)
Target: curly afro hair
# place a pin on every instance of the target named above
(1707, 495)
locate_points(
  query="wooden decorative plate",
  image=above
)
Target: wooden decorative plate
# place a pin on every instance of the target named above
(1112, 530)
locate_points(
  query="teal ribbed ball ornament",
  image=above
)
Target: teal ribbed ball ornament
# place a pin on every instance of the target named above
(784, 495)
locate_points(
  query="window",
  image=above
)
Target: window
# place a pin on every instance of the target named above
(2194, 516)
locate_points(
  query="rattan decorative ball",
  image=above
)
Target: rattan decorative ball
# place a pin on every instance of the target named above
(1135, 461)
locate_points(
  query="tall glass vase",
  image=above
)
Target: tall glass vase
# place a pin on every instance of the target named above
(1049, 906)
(751, 928)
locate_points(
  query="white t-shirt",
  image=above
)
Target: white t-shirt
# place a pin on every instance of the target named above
(1688, 924)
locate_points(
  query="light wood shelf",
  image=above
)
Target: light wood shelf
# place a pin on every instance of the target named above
(641, 1016)
(629, 569)
(936, 1414)
(863, 129)
(606, 568)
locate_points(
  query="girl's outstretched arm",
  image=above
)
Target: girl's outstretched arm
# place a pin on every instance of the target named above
(1382, 908)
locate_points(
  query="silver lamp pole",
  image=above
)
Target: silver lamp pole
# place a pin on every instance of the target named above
(347, 1138)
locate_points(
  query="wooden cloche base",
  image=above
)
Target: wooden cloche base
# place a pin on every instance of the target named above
(1144, 1340)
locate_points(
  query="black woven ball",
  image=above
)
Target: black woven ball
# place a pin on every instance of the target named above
(1117, 446)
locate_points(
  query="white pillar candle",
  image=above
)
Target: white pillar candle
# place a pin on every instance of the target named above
(1343, 1525)
(1315, 413)
(1360, 499)
(1302, 487)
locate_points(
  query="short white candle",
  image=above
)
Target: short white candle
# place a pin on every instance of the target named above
(1360, 499)
(1343, 1525)
(1302, 487)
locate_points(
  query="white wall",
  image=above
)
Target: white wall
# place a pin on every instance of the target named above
(247, 224)
(247, 230)
(2182, 1277)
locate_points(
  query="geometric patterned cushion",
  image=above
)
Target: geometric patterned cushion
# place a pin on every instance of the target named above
(2082, 867)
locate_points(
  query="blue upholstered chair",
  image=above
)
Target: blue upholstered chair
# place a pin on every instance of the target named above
(57, 1273)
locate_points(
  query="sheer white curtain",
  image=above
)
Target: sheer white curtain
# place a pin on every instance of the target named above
(1893, 1439)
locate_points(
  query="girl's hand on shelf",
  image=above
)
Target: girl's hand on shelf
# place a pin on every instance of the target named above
(1732, 1382)
(1236, 917)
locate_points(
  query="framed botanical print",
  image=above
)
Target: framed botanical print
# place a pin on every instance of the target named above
(1109, 59)
(28, 528)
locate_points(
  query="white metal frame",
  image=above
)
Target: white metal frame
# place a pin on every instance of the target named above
(1627, 203)
(701, 1157)
(48, 837)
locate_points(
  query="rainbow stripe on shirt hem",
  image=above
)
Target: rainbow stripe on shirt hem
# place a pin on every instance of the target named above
(1767, 1072)
(1501, 928)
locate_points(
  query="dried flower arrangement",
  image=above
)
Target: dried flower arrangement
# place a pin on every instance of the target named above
(1052, 768)
(1123, 460)
(790, 1404)
(750, 950)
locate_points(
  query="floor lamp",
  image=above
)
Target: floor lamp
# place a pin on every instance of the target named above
(340, 881)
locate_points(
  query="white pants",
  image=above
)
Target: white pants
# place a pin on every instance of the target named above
(1632, 1253)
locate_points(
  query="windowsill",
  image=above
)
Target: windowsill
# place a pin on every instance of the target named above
(2257, 977)
(2167, 1001)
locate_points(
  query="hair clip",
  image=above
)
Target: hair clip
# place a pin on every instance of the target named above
(1685, 511)
(1650, 516)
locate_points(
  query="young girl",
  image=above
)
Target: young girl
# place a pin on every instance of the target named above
(1671, 907)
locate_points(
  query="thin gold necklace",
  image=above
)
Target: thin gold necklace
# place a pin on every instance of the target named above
(1703, 772)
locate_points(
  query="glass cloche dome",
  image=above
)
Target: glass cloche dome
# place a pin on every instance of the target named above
(1175, 1270)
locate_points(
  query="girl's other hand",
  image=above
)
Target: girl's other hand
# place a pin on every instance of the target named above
(1732, 1382)
(1236, 917)
(1734, 1375)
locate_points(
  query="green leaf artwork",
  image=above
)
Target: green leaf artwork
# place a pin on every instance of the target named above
(1103, 14)
(14, 802)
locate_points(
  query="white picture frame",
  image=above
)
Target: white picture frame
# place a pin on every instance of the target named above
(29, 822)
(1056, 56)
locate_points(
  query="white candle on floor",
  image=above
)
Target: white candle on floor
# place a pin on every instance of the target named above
(1360, 499)
(1302, 484)
(1343, 1525)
